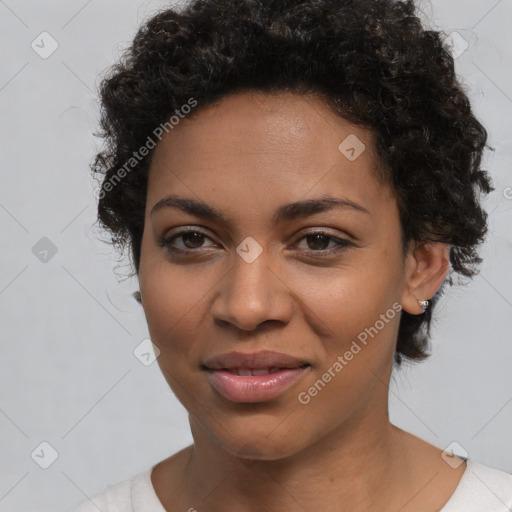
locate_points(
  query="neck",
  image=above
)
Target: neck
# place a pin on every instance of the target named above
(345, 470)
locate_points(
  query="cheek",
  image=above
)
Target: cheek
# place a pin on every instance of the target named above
(173, 299)
(359, 309)
(362, 313)
(350, 299)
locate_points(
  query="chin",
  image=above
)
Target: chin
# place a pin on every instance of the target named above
(253, 432)
(257, 446)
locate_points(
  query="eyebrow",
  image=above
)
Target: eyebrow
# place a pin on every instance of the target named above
(285, 212)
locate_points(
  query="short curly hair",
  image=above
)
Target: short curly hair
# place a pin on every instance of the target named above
(372, 61)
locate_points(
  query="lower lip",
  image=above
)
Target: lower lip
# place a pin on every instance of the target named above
(254, 388)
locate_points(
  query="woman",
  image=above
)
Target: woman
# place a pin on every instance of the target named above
(296, 182)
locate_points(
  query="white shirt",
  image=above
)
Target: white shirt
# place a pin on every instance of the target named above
(481, 489)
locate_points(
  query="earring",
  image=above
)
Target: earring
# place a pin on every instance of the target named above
(424, 304)
(137, 296)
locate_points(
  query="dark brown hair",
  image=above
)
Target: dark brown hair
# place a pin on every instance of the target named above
(372, 60)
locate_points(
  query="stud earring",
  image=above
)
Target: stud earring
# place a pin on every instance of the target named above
(424, 304)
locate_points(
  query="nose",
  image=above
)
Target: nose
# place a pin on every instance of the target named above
(251, 294)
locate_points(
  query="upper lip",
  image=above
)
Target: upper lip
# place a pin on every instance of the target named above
(254, 361)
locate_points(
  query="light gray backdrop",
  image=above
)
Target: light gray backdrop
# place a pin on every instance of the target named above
(68, 376)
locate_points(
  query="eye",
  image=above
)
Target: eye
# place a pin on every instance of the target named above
(318, 243)
(191, 239)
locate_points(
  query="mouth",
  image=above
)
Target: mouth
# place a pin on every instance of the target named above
(248, 372)
(257, 377)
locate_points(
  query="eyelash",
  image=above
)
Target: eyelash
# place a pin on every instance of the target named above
(342, 243)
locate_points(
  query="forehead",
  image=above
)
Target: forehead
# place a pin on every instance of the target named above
(257, 145)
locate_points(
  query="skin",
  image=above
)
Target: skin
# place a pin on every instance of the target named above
(247, 155)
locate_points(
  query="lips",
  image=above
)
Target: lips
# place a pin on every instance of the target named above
(253, 377)
(246, 372)
(264, 359)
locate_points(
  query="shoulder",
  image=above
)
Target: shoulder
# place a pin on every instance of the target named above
(114, 497)
(481, 489)
(133, 494)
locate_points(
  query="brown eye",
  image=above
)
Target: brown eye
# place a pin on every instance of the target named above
(318, 244)
(318, 241)
(193, 239)
(184, 241)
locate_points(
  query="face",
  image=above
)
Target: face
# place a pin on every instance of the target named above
(245, 258)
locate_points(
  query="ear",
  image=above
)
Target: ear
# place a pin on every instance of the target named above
(426, 267)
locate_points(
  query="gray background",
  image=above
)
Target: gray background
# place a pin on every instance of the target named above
(68, 375)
